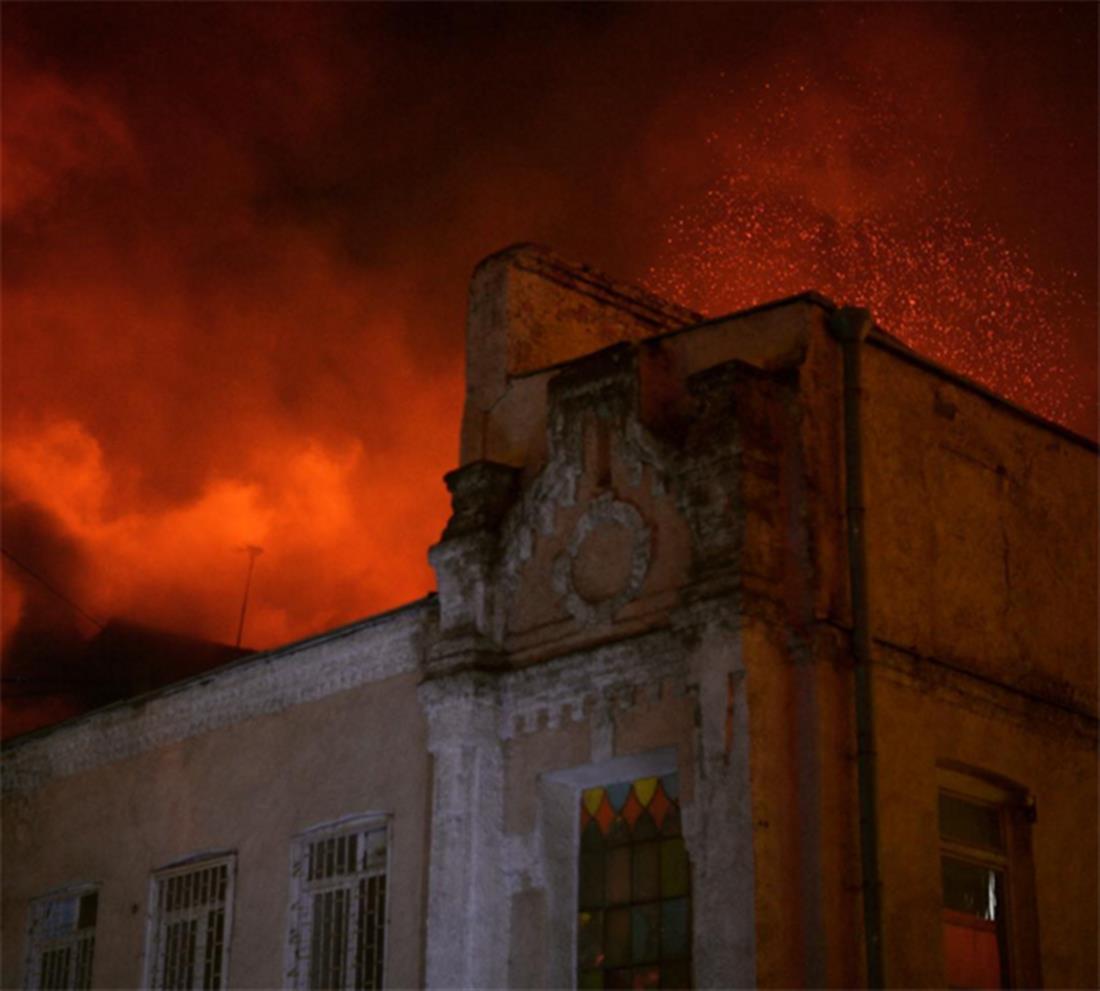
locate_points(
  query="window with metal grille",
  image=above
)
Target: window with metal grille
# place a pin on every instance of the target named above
(189, 925)
(61, 939)
(338, 909)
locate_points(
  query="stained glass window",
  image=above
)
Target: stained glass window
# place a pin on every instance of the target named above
(634, 890)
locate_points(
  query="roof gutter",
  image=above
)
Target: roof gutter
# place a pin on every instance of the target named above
(850, 326)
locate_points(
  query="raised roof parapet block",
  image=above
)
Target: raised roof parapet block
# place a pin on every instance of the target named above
(531, 310)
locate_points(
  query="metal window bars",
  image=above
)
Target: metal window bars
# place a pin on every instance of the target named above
(189, 935)
(338, 938)
(62, 940)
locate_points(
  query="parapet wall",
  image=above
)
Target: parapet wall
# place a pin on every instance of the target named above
(530, 310)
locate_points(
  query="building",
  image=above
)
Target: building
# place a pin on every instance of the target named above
(764, 650)
(63, 676)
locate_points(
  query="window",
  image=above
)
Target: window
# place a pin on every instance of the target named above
(634, 887)
(338, 907)
(988, 919)
(189, 924)
(61, 939)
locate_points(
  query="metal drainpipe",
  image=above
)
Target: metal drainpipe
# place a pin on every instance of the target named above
(851, 325)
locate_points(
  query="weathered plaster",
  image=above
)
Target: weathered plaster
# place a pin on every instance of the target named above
(645, 566)
(373, 650)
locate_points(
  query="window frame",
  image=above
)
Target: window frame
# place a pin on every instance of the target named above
(1015, 811)
(37, 908)
(179, 868)
(297, 956)
(615, 846)
(560, 794)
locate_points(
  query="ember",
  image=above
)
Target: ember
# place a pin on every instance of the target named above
(236, 240)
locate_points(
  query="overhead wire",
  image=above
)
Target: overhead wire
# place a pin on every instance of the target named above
(46, 583)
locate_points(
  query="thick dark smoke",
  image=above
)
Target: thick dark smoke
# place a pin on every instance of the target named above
(236, 242)
(44, 638)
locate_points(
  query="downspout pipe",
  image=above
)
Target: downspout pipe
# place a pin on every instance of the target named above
(850, 326)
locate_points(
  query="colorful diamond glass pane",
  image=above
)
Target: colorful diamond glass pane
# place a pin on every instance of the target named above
(592, 839)
(589, 939)
(676, 974)
(659, 806)
(591, 799)
(674, 928)
(645, 930)
(604, 815)
(647, 872)
(644, 828)
(619, 832)
(675, 873)
(644, 789)
(617, 937)
(631, 810)
(618, 794)
(591, 882)
(618, 875)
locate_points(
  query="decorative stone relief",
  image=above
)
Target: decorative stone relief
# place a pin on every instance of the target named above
(602, 388)
(464, 559)
(605, 562)
(615, 675)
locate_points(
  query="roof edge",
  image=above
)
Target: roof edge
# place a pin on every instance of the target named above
(11, 746)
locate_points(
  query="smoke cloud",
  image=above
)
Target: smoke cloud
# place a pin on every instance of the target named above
(236, 243)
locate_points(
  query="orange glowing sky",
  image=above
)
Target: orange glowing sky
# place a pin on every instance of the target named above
(236, 242)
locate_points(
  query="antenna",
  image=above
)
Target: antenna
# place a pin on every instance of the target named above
(253, 552)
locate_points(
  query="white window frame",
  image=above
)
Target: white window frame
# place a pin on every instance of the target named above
(560, 795)
(300, 912)
(154, 931)
(38, 942)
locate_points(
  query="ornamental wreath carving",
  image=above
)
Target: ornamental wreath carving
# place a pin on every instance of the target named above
(605, 563)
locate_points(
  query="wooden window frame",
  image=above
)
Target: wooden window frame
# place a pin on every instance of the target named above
(298, 957)
(154, 937)
(654, 900)
(76, 941)
(1015, 809)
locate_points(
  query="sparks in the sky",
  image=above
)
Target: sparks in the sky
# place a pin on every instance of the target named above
(236, 240)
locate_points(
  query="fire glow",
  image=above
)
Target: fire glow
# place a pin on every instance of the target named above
(845, 198)
(233, 299)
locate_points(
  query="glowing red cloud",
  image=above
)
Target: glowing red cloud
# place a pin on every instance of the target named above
(234, 273)
(871, 184)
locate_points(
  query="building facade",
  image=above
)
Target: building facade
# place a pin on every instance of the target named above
(763, 655)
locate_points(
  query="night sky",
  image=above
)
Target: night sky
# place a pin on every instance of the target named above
(236, 243)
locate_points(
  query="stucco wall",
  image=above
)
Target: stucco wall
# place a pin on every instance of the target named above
(982, 569)
(248, 787)
(925, 721)
(982, 533)
(653, 570)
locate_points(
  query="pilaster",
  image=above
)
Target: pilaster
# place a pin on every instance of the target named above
(718, 825)
(465, 562)
(467, 917)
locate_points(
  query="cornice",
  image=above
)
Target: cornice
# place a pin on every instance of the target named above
(376, 649)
